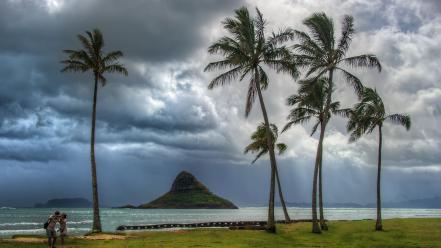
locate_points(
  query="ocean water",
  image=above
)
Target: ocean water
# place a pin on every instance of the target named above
(30, 220)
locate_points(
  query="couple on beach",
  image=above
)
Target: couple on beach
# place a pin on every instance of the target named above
(50, 225)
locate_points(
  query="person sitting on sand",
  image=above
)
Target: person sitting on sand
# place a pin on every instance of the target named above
(50, 230)
(63, 228)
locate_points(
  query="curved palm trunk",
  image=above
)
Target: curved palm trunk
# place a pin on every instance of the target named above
(378, 224)
(282, 199)
(271, 227)
(96, 226)
(318, 159)
(315, 225)
(323, 224)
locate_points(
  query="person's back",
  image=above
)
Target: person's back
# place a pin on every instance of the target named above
(52, 222)
(50, 230)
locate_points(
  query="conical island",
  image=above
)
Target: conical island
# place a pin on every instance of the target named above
(186, 193)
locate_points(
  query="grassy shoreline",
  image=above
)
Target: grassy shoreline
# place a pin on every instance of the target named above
(398, 233)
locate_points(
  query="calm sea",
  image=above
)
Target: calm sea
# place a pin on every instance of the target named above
(30, 220)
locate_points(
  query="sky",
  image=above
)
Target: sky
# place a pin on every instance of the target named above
(162, 119)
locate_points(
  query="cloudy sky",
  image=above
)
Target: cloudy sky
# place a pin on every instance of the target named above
(162, 119)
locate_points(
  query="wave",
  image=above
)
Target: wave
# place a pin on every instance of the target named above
(39, 230)
(38, 224)
(21, 224)
(79, 222)
(7, 208)
(23, 231)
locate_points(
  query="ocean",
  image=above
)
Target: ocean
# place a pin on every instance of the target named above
(30, 220)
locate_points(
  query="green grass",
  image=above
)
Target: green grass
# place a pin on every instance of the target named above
(399, 233)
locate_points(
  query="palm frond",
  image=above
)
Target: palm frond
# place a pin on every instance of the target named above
(281, 147)
(400, 119)
(98, 40)
(225, 77)
(74, 66)
(366, 60)
(259, 141)
(219, 65)
(260, 25)
(346, 113)
(112, 57)
(346, 36)
(314, 128)
(288, 125)
(251, 96)
(322, 29)
(116, 68)
(263, 79)
(353, 81)
(260, 154)
(282, 65)
(281, 36)
(307, 44)
(87, 44)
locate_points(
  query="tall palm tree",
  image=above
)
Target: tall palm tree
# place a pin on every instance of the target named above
(246, 50)
(92, 58)
(309, 103)
(319, 53)
(260, 146)
(364, 118)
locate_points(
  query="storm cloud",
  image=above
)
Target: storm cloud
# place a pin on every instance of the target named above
(162, 118)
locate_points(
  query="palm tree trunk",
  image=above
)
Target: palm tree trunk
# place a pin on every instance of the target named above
(323, 224)
(318, 159)
(282, 199)
(271, 227)
(378, 224)
(315, 225)
(96, 226)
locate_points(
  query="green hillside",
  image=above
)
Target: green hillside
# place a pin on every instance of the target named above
(186, 193)
(189, 200)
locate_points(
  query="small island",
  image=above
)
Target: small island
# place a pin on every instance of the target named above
(187, 193)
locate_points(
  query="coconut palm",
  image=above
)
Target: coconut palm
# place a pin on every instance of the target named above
(260, 147)
(245, 51)
(320, 54)
(364, 118)
(309, 103)
(92, 58)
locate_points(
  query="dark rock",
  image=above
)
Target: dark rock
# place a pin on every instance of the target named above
(188, 193)
(127, 206)
(186, 182)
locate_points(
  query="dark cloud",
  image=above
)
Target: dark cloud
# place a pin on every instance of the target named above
(32, 86)
(148, 30)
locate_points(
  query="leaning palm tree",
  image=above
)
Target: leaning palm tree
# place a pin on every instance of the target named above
(92, 58)
(309, 103)
(246, 50)
(260, 146)
(364, 118)
(320, 54)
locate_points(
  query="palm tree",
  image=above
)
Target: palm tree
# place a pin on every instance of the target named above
(245, 51)
(320, 55)
(310, 103)
(92, 58)
(364, 118)
(260, 146)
